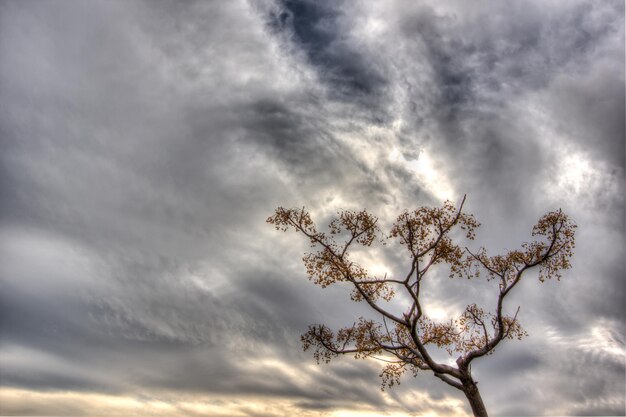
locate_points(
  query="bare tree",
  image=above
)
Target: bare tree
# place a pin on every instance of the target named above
(405, 342)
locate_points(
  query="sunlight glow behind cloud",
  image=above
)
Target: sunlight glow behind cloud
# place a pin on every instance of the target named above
(428, 173)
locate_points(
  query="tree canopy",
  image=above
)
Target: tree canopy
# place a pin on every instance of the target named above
(405, 341)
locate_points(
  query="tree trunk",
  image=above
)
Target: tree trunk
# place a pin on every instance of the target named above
(476, 402)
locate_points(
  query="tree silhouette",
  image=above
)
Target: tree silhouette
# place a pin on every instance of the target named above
(406, 341)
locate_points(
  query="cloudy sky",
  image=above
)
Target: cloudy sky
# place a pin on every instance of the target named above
(143, 145)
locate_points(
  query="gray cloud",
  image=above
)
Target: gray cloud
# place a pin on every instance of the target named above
(143, 145)
(322, 31)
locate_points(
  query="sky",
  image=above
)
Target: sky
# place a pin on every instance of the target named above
(143, 145)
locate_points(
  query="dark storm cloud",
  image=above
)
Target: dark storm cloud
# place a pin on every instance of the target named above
(144, 145)
(317, 29)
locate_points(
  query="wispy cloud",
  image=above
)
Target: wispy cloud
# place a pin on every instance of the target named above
(143, 146)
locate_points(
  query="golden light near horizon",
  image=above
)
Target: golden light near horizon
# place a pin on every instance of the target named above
(17, 401)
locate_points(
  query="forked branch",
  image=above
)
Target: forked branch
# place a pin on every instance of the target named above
(404, 342)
